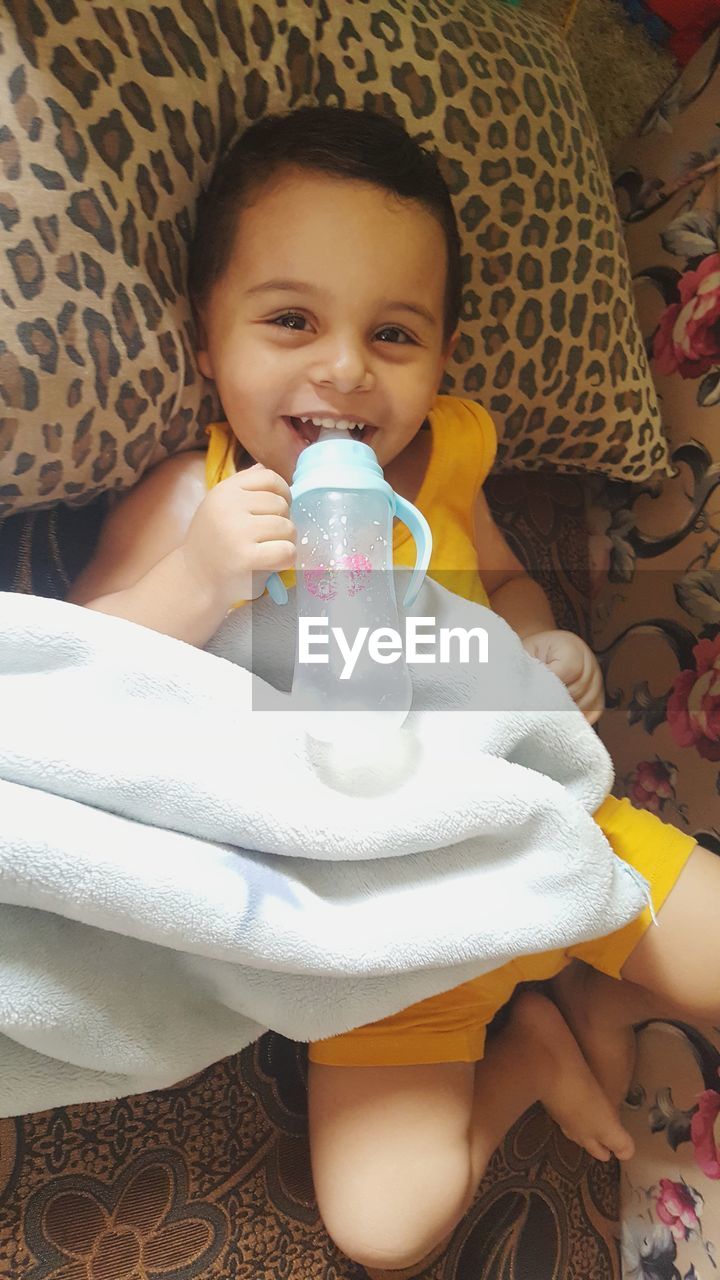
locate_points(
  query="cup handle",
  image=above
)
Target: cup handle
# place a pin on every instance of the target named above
(420, 530)
(276, 589)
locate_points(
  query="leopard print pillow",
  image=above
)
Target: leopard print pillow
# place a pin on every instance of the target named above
(550, 342)
(112, 121)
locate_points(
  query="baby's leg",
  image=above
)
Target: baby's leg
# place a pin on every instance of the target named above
(391, 1157)
(679, 960)
(601, 1013)
(398, 1152)
(673, 971)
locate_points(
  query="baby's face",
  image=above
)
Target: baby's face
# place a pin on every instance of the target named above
(331, 308)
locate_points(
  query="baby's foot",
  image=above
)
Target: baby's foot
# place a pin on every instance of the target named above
(566, 1086)
(600, 1012)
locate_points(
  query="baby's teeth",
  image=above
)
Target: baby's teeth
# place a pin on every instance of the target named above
(328, 424)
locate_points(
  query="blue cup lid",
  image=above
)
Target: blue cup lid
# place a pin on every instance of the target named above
(339, 464)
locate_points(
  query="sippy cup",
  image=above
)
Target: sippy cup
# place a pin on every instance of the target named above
(343, 510)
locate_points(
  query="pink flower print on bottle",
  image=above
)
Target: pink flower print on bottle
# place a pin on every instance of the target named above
(358, 566)
(320, 583)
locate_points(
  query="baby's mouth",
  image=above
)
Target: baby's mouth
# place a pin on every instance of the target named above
(309, 428)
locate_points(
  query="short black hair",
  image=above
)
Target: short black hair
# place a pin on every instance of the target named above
(338, 141)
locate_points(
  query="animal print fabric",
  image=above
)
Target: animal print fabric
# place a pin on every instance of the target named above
(549, 341)
(115, 116)
(112, 119)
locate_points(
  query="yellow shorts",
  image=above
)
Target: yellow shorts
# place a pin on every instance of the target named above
(451, 1027)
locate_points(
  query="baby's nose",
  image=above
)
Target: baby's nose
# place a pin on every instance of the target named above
(346, 368)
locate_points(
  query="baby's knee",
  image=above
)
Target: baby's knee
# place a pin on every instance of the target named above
(385, 1247)
(391, 1232)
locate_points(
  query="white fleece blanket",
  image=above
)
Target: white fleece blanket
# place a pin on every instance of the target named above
(178, 873)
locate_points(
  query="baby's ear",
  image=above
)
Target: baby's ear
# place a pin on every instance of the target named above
(452, 343)
(446, 353)
(204, 362)
(201, 345)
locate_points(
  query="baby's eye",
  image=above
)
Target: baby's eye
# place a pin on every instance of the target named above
(394, 335)
(290, 320)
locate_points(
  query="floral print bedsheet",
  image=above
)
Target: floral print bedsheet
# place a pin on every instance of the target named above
(655, 559)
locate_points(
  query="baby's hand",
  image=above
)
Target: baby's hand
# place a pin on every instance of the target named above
(576, 665)
(240, 534)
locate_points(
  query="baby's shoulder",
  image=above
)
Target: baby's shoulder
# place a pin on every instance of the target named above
(173, 489)
(182, 474)
(143, 525)
(188, 467)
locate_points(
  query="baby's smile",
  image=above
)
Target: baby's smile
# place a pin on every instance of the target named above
(308, 427)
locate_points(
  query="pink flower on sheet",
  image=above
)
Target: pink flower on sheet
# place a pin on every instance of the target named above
(679, 1207)
(687, 340)
(702, 1133)
(651, 783)
(693, 709)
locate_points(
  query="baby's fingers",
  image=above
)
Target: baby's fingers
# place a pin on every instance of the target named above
(270, 557)
(274, 543)
(589, 694)
(264, 502)
(261, 478)
(273, 528)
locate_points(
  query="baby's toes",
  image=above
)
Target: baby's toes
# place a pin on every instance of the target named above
(591, 1142)
(595, 1148)
(610, 1141)
(620, 1143)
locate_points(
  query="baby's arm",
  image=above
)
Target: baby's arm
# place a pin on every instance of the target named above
(525, 607)
(175, 558)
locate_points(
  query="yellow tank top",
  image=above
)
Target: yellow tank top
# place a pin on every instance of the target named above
(462, 452)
